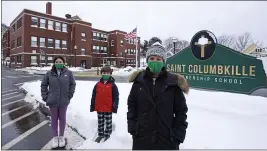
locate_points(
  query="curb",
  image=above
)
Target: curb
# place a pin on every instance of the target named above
(46, 112)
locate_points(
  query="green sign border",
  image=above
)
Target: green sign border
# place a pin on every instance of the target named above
(233, 51)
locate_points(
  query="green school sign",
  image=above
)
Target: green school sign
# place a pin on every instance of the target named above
(208, 65)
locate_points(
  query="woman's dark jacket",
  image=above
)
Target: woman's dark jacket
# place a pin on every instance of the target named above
(157, 110)
(57, 90)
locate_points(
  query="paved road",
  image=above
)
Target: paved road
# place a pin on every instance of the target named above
(22, 126)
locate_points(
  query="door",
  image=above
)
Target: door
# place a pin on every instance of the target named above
(83, 63)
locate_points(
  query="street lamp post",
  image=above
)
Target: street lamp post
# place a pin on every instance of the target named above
(174, 40)
(75, 48)
(125, 57)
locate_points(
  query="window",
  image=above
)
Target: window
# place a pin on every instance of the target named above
(121, 42)
(58, 26)
(105, 49)
(104, 37)
(18, 59)
(34, 41)
(97, 34)
(12, 44)
(82, 51)
(51, 24)
(19, 23)
(64, 44)
(42, 57)
(94, 34)
(42, 42)
(97, 48)
(42, 23)
(57, 43)
(33, 59)
(83, 36)
(64, 28)
(50, 58)
(112, 42)
(50, 43)
(34, 21)
(18, 41)
(14, 28)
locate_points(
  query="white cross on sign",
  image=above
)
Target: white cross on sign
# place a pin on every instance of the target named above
(203, 42)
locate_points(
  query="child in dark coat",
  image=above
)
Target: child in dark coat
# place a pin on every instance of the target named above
(105, 101)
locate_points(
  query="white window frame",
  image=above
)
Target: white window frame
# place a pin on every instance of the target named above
(52, 42)
(57, 45)
(83, 35)
(34, 60)
(32, 18)
(94, 34)
(49, 58)
(82, 50)
(58, 25)
(42, 23)
(112, 43)
(64, 27)
(64, 43)
(50, 25)
(41, 42)
(33, 37)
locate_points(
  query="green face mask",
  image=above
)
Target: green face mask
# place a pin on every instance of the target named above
(155, 67)
(59, 65)
(105, 77)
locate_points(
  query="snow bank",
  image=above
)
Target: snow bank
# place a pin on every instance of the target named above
(126, 71)
(217, 120)
(45, 69)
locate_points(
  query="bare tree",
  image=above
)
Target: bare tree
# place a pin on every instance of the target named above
(243, 41)
(180, 44)
(226, 40)
(154, 40)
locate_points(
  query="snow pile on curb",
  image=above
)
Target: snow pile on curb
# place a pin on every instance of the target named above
(217, 120)
(126, 71)
(45, 69)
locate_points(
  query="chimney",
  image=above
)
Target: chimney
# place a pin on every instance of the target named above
(49, 8)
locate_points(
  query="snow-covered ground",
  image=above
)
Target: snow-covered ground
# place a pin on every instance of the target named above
(43, 70)
(126, 71)
(217, 120)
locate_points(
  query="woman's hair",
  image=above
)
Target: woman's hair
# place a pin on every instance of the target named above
(59, 57)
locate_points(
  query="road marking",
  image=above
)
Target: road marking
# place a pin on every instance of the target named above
(24, 82)
(26, 76)
(14, 110)
(12, 97)
(12, 102)
(9, 93)
(12, 77)
(9, 90)
(23, 136)
(19, 83)
(17, 119)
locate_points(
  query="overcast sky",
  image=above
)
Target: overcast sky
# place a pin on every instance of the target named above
(158, 18)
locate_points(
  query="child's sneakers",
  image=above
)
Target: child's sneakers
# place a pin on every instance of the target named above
(61, 142)
(55, 142)
(98, 139)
